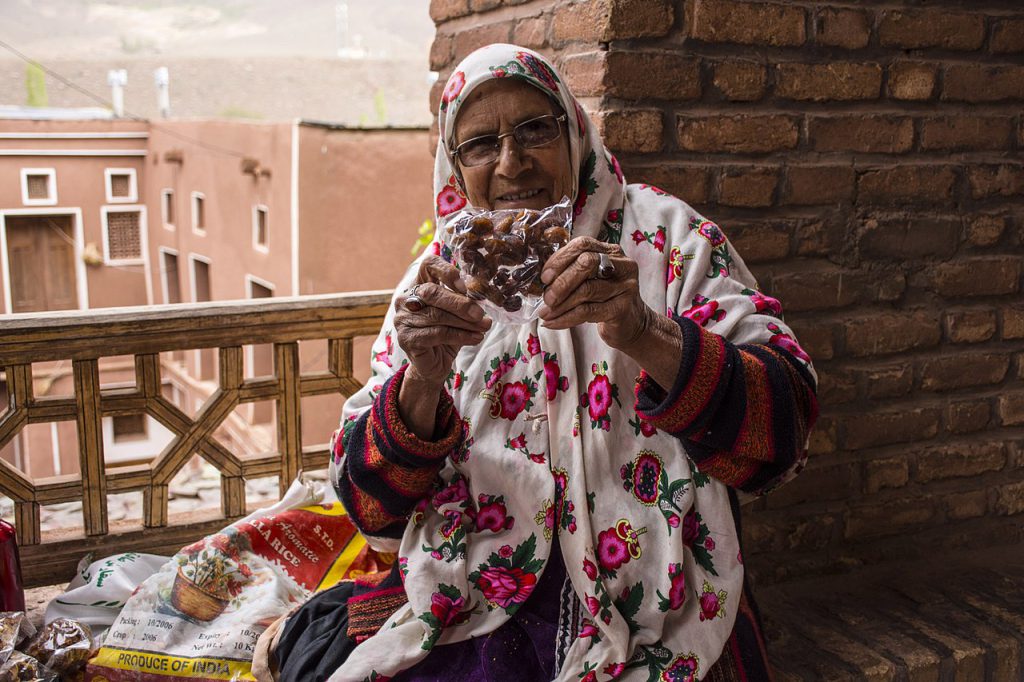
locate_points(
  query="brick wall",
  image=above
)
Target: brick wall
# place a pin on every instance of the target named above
(866, 160)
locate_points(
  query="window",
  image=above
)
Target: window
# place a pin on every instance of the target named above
(123, 235)
(38, 186)
(129, 427)
(198, 212)
(170, 277)
(206, 361)
(167, 208)
(259, 228)
(121, 186)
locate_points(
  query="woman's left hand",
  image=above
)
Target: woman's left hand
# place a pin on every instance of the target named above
(577, 291)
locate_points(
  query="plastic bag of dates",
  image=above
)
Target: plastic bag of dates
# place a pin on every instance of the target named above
(502, 253)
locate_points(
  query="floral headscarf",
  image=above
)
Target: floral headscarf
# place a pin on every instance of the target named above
(553, 445)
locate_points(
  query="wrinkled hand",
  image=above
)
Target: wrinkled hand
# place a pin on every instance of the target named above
(432, 336)
(575, 294)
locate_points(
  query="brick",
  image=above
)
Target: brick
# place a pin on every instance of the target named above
(912, 81)
(818, 185)
(890, 472)
(963, 370)
(993, 181)
(748, 187)
(484, 5)
(887, 519)
(885, 333)
(967, 416)
(440, 52)
(977, 83)
(985, 230)
(824, 237)
(820, 288)
(931, 28)
(959, 461)
(870, 133)
(1010, 499)
(966, 505)
(850, 29)
(889, 381)
(966, 133)
(823, 437)
(585, 22)
(443, 10)
(653, 75)
(738, 134)
(638, 18)
(473, 38)
(531, 32)
(832, 81)
(1013, 322)
(689, 183)
(970, 326)
(836, 387)
(992, 276)
(632, 130)
(746, 23)
(435, 94)
(886, 428)
(761, 241)
(1011, 409)
(817, 341)
(585, 73)
(1007, 36)
(909, 237)
(741, 81)
(817, 483)
(925, 184)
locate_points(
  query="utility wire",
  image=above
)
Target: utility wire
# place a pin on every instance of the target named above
(106, 103)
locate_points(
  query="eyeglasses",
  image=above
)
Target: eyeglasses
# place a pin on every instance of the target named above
(485, 149)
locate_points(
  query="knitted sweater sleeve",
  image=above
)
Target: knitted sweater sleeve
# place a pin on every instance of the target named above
(743, 412)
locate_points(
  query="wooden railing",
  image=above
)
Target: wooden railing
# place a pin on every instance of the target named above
(144, 333)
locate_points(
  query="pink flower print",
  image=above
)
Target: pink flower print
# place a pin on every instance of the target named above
(505, 586)
(659, 240)
(452, 523)
(493, 516)
(457, 381)
(673, 520)
(711, 232)
(615, 216)
(589, 677)
(590, 569)
(505, 551)
(511, 400)
(682, 669)
(762, 303)
(599, 395)
(385, 355)
(739, 557)
(709, 544)
(676, 590)
(561, 477)
(434, 249)
(449, 200)
(518, 442)
(712, 604)
(787, 342)
(656, 190)
(616, 168)
(691, 528)
(588, 629)
(611, 550)
(452, 89)
(703, 311)
(593, 605)
(533, 345)
(454, 492)
(675, 265)
(537, 457)
(638, 237)
(647, 428)
(446, 609)
(614, 669)
(552, 381)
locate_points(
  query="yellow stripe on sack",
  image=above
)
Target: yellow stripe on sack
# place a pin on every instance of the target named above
(333, 509)
(172, 666)
(343, 561)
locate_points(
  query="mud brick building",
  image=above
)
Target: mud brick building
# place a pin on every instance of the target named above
(867, 160)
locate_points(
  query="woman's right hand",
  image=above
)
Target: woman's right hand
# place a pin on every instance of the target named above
(448, 320)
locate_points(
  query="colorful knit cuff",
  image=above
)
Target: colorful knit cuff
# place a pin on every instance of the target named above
(704, 369)
(406, 447)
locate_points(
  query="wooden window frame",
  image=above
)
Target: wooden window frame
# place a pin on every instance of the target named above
(192, 208)
(81, 280)
(105, 211)
(166, 199)
(163, 273)
(265, 246)
(51, 198)
(133, 185)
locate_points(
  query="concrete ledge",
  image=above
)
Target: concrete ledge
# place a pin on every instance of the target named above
(953, 618)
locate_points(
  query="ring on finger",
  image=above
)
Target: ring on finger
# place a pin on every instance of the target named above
(413, 302)
(605, 267)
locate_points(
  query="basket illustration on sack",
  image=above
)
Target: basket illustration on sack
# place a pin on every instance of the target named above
(210, 576)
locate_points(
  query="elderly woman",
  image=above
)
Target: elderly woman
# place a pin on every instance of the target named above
(547, 524)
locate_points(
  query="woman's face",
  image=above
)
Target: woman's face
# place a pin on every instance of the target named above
(520, 178)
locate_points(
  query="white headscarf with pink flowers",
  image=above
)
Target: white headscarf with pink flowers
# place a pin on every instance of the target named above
(553, 445)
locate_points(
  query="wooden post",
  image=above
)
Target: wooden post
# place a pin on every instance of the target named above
(90, 446)
(232, 496)
(289, 405)
(26, 523)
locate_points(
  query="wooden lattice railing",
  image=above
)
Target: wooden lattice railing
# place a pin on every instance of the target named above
(85, 337)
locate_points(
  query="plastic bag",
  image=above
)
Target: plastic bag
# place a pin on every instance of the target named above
(501, 255)
(14, 627)
(23, 668)
(62, 646)
(200, 615)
